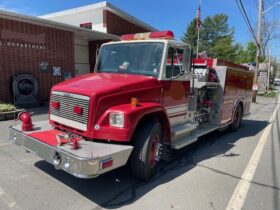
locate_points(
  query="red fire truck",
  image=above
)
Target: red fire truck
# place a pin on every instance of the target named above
(146, 98)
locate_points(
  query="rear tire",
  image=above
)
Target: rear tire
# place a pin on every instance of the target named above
(145, 155)
(237, 118)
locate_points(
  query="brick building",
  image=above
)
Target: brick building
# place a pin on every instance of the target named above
(36, 53)
(103, 17)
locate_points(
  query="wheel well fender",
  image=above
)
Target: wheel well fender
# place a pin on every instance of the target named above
(133, 118)
(239, 102)
(160, 117)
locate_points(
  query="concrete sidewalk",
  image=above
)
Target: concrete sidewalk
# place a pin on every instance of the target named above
(261, 102)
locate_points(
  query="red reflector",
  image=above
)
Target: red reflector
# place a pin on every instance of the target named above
(162, 34)
(106, 163)
(78, 110)
(55, 104)
(127, 37)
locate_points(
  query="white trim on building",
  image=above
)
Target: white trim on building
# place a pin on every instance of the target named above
(85, 14)
(78, 31)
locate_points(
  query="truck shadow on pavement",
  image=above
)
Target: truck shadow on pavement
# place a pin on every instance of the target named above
(119, 188)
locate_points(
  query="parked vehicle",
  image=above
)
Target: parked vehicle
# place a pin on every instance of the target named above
(146, 98)
(277, 82)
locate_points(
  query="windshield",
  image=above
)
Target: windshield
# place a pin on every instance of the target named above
(131, 58)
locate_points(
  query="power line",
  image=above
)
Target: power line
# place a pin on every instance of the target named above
(243, 8)
(246, 19)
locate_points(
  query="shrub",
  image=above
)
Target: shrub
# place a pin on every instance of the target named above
(4, 107)
(272, 94)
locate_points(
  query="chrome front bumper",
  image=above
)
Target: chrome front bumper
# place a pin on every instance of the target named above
(85, 162)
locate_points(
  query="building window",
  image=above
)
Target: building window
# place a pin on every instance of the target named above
(86, 25)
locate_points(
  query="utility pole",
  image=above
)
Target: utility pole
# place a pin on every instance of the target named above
(259, 41)
(269, 69)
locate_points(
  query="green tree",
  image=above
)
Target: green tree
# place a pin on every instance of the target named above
(246, 55)
(216, 37)
(240, 56)
(251, 52)
(190, 36)
(223, 49)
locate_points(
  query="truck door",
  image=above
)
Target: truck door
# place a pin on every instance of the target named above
(176, 84)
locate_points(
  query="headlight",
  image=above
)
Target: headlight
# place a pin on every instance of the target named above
(117, 119)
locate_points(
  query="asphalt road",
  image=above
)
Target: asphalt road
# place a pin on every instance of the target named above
(209, 174)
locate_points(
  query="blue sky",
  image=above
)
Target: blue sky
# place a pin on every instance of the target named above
(162, 14)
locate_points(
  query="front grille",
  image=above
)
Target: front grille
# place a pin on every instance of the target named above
(67, 101)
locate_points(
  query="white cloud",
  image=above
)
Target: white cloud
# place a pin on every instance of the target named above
(7, 5)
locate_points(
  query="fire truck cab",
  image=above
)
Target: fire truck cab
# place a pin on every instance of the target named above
(146, 98)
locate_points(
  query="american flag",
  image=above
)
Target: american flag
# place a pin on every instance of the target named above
(198, 22)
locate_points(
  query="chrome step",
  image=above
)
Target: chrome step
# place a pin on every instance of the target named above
(192, 136)
(183, 130)
(183, 141)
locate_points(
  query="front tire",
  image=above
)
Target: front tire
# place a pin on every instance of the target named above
(146, 153)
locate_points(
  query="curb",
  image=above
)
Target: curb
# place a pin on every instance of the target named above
(10, 115)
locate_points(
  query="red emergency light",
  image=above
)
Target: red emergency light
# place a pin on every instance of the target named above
(149, 35)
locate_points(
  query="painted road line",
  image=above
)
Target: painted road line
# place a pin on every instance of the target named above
(239, 195)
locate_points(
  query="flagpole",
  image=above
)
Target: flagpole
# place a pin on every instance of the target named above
(197, 43)
(198, 27)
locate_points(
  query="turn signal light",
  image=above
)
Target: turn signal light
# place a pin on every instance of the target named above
(134, 101)
(55, 104)
(78, 110)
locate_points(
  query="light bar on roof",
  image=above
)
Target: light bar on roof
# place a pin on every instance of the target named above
(148, 35)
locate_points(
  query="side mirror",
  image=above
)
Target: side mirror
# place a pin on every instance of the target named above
(188, 59)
